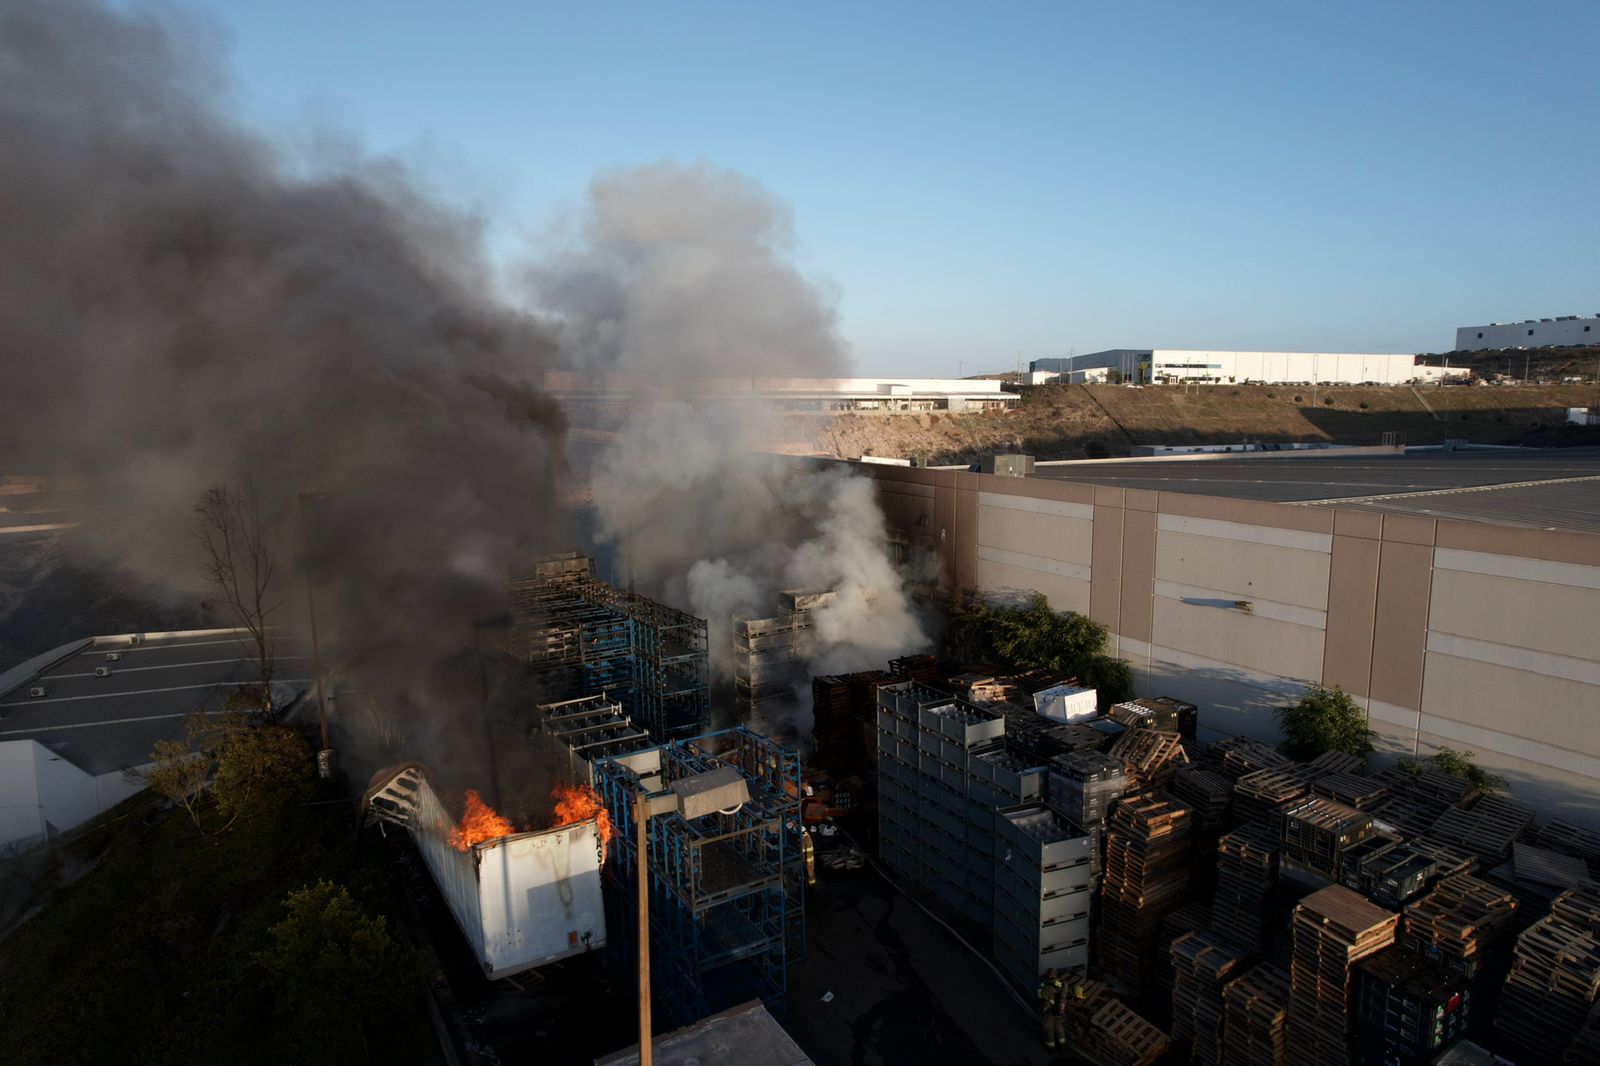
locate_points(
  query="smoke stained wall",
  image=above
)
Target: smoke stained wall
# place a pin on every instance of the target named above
(686, 272)
(182, 306)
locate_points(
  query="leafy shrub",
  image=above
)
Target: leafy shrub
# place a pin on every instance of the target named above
(1327, 401)
(1363, 405)
(1456, 764)
(1324, 720)
(1299, 398)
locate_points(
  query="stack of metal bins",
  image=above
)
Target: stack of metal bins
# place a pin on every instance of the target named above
(997, 779)
(1043, 888)
(1084, 786)
(898, 774)
(949, 734)
(1408, 1009)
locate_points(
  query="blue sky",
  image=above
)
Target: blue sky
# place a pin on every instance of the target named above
(988, 182)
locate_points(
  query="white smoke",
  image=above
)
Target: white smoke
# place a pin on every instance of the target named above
(685, 274)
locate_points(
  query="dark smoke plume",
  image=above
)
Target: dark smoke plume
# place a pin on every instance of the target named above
(181, 307)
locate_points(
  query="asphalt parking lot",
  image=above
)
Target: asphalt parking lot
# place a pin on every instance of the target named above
(904, 990)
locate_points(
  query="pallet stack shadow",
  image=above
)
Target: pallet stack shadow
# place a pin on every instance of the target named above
(1555, 978)
(1146, 875)
(1333, 929)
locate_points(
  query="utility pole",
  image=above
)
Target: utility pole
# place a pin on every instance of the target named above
(325, 753)
(641, 809)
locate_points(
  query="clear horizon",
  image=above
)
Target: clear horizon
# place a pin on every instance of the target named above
(980, 188)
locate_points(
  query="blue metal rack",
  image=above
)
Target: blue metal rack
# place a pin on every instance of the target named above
(726, 891)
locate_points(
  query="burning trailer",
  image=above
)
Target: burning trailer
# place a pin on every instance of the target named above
(522, 899)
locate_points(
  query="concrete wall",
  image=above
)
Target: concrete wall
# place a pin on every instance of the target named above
(1529, 334)
(20, 815)
(1459, 634)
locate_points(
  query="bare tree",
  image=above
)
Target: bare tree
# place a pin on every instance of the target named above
(239, 566)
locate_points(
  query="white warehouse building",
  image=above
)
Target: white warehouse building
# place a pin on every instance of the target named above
(1570, 330)
(1174, 365)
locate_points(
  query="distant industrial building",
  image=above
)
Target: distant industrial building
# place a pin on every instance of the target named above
(1177, 365)
(1530, 333)
(797, 394)
(77, 720)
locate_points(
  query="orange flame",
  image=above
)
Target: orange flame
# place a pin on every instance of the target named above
(577, 803)
(479, 822)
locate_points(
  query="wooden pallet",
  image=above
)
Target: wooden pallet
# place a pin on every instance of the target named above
(1332, 929)
(1257, 1007)
(1237, 756)
(1555, 979)
(1488, 829)
(1202, 963)
(1459, 922)
(1353, 789)
(1149, 752)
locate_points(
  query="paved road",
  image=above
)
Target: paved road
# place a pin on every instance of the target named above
(904, 990)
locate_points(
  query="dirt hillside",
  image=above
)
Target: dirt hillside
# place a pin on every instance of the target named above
(1074, 421)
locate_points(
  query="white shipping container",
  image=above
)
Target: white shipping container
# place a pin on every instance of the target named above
(521, 901)
(1067, 703)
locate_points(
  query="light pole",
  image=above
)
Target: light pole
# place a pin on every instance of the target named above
(720, 791)
(325, 753)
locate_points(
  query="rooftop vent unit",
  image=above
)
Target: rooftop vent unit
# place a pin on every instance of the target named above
(102, 671)
(113, 656)
(137, 638)
(35, 692)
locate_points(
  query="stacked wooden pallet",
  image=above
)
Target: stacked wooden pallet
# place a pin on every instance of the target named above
(1207, 793)
(1146, 874)
(1189, 918)
(1247, 870)
(1431, 784)
(1409, 816)
(1236, 756)
(1333, 928)
(1257, 1006)
(1555, 978)
(844, 721)
(1487, 830)
(1563, 836)
(1336, 762)
(1149, 754)
(920, 668)
(1317, 830)
(1202, 963)
(1114, 1035)
(1452, 859)
(1460, 923)
(1354, 789)
(1258, 795)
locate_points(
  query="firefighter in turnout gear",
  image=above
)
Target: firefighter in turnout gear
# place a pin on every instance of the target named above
(1052, 1005)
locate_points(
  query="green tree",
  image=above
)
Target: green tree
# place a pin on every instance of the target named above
(260, 769)
(1032, 636)
(179, 769)
(332, 968)
(1324, 720)
(1456, 764)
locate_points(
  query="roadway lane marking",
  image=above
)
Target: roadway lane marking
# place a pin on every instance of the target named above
(115, 669)
(48, 527)
(136, 692)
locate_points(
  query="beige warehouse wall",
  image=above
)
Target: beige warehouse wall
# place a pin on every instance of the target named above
(1466, 634)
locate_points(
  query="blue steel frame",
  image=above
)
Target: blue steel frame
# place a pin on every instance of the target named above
(727, 900)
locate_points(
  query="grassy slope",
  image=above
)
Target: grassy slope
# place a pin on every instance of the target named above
(148, 956)
(1062, 422)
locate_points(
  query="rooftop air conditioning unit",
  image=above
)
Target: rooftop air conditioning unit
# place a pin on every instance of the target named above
(113, 656)
(102, 671)
(35, 692)
(137, 638)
